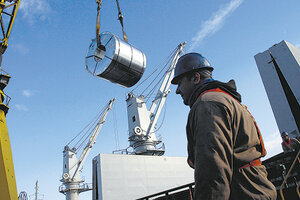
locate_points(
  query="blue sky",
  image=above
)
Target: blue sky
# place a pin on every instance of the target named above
(54, 97)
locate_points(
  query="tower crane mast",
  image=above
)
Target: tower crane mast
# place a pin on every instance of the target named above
(72, 166)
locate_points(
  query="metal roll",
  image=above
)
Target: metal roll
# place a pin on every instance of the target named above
(115, 61)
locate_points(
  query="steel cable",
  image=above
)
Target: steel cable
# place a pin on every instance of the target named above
(89, 132)
(163, 119)
(160, 74)
(116, 129)
(87, 128)
(167, 60)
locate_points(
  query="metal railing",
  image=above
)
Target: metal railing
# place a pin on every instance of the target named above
(6, 99)
(286, 177)
(81, 187)
(170, 192)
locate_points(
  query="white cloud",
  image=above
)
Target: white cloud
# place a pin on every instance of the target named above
(298, 45)
(27, 93)
(33, 10)
(21, 48)
(212, 25)
(273, 144)
(21, 107)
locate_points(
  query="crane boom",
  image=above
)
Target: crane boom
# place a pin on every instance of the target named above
(72, 166)
(141, 121)
(12, 14)
(93, 137)
(164, 89)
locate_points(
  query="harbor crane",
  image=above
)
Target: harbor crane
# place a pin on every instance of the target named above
(141, 121)
(72, 166)
(8, 186)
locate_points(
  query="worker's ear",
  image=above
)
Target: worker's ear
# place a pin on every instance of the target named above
(196, 78)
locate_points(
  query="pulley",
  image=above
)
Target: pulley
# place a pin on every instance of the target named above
(138, 130)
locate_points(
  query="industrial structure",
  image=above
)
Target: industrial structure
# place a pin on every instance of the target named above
(36, 196)
(141, 121)
(8, 187)
(73, 184)
(284, 172)
(279, 68)
(128, 177)
(141, 169)
(23, 196)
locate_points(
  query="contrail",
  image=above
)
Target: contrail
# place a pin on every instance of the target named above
(212, 25)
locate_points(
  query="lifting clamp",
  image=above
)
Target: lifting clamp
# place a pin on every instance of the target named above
(120, 18)
(99, 2)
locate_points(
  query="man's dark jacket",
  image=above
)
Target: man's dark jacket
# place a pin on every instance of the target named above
(222, 140)
(292, 145)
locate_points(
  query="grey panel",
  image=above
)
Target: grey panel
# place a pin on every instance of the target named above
(129, 177)
(288, 59)
(288, 65)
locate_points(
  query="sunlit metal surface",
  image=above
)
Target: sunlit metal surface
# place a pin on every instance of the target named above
(116, 60)
(129, 177)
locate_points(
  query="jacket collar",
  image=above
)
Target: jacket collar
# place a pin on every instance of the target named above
(209, 84)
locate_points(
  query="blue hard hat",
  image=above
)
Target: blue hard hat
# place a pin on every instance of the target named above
(188, 63)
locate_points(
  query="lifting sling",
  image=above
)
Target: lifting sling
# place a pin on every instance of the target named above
(120, 18)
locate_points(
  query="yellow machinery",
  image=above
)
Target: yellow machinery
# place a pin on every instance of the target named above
(8, 187)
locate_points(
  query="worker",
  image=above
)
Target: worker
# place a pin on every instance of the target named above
(224, 142)
(289, 144)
